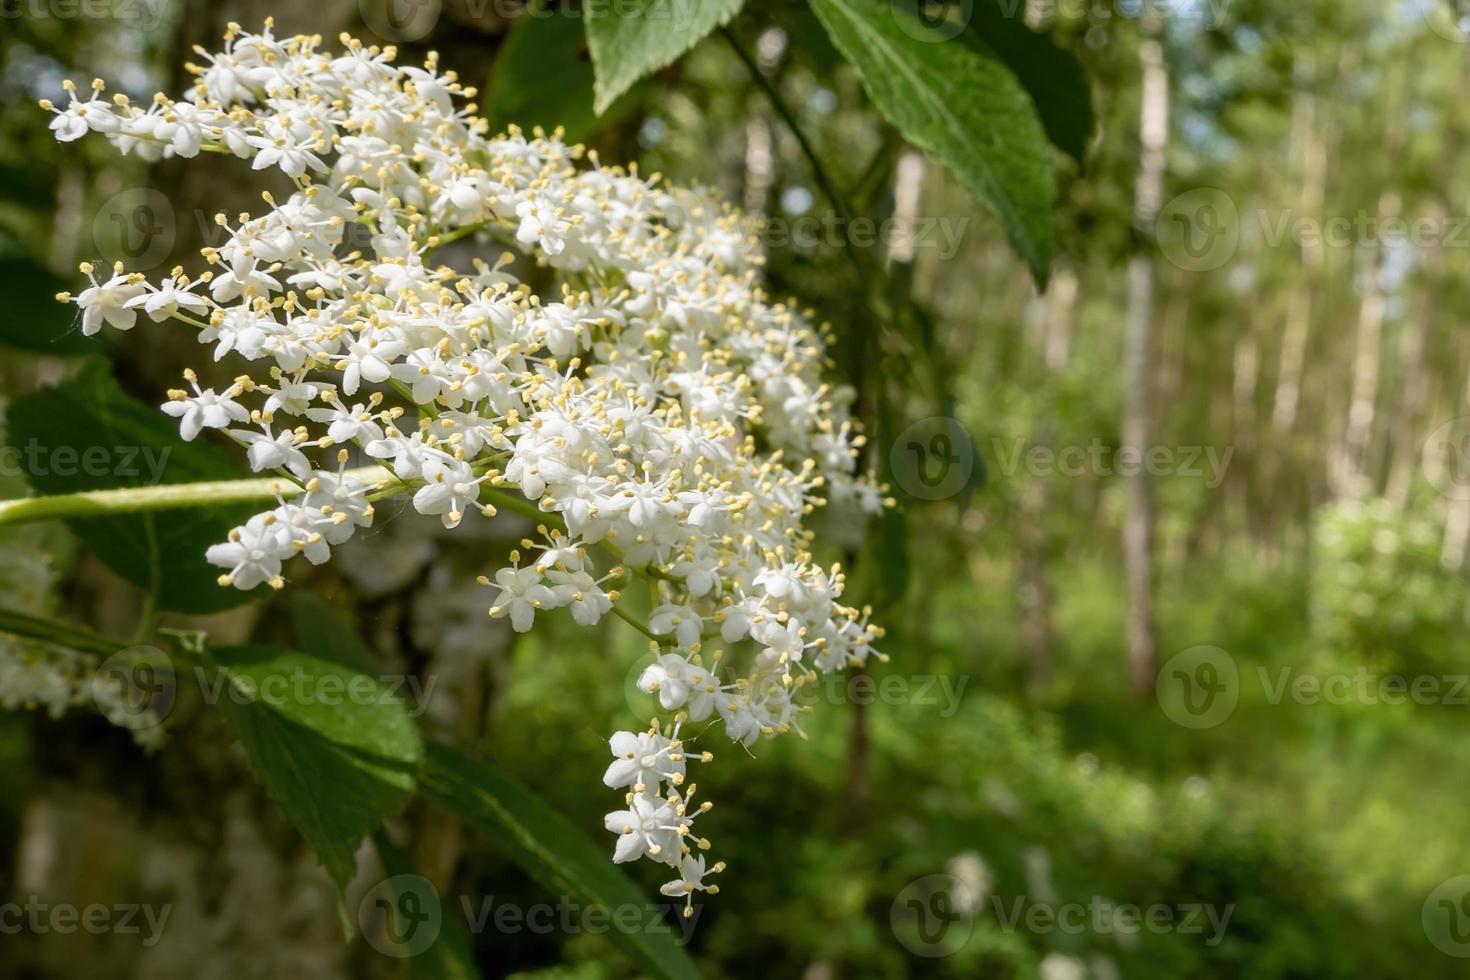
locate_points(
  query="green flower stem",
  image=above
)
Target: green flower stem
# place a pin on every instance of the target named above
(635, 623)
(101, 503)
(57, 634)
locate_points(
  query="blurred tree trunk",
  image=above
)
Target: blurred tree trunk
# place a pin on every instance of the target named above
(1414, 383)
(1038, 632)
(1457, 517)
(1350, 459)
(1138, 527)
(1306, 133)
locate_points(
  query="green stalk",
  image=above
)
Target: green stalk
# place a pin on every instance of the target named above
(634, 622)
(58, 634)
(132, 500)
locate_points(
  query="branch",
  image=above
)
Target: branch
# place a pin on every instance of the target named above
(131, 500)
(57, 634)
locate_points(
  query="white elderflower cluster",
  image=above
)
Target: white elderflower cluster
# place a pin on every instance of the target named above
(659, 415)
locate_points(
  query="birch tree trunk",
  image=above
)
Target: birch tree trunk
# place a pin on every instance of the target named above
(1413, 394)
(1306, 132)
(1351, 463)
(1034, 588)
(1457, 517)
(1138, 526)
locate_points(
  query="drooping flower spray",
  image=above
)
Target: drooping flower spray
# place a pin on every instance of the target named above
(660, 416)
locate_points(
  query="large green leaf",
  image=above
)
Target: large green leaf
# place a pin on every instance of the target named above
(550, 849)
(333, 747)
(542, 76)
(632, 38)
(1051, 75)
(86, 434)
(961, 105)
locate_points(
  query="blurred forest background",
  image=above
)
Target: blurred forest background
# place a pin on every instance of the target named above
(1261, 274)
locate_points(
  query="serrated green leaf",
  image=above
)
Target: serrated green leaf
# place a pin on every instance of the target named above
(333, 747)
(550, 849)
(964, 107)
(1051, 75)
(634, 38)
(86, 434)
(450, 956)
(542, 76)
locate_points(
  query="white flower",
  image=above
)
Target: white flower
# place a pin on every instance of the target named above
(681, 620)
(649, 826)
(582, 594)
(303, 527)
(109, 302)
(369, 358)
(406, 452)
(205, 410)
(73, 122)
(521, 594)
(786, 642)
(168, 298)
(681, 683)
(348, 424)
(737, 618)
(783, 581)
(692, 873)
(644, 761)
(267, 450)
(254, 552)
(278, 148)
(342, 501)
(701, 573)
(450, 486)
